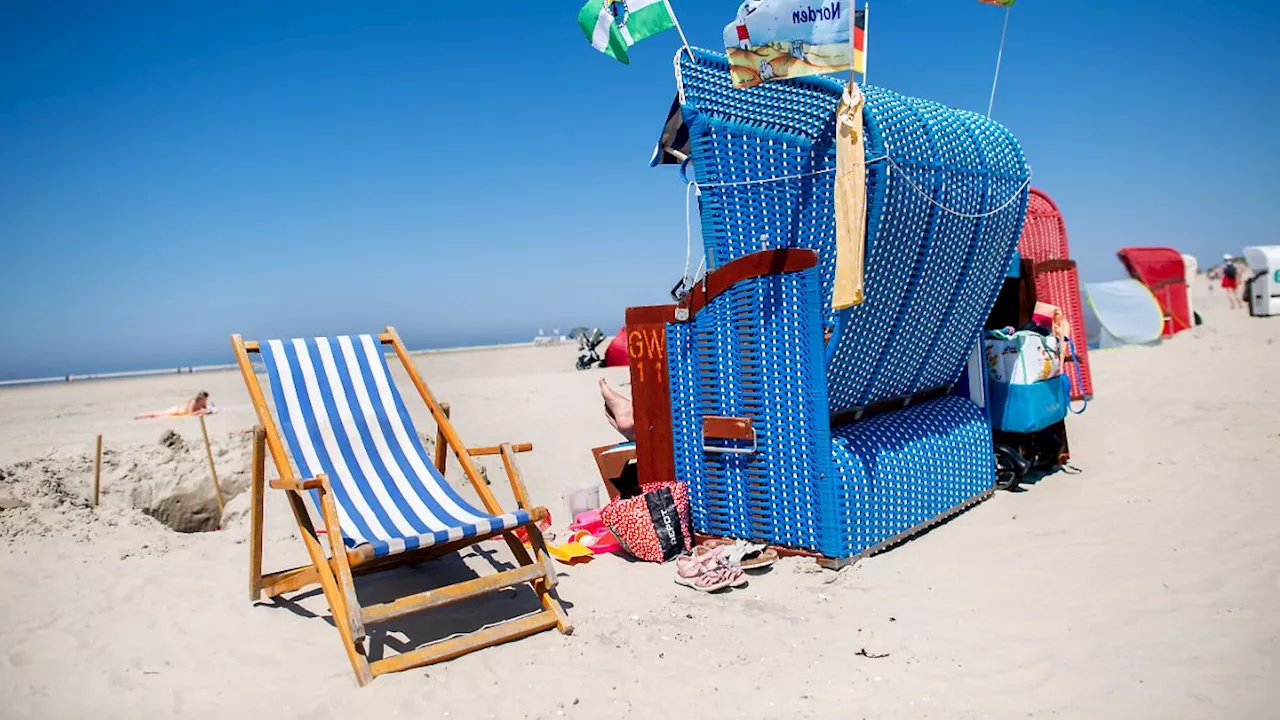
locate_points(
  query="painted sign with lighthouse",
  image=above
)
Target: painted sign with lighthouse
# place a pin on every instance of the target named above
(778, 39)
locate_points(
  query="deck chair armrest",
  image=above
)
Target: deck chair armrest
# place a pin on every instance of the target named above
(507, 451)
(497, 450)
(300, 485)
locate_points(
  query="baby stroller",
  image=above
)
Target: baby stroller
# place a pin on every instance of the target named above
(587, 344)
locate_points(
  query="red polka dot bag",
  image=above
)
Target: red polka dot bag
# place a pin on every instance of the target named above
(654, 525)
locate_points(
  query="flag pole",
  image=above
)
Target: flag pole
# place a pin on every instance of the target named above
(999, 56)
(866, 35)
(853, 44)
(679, 29)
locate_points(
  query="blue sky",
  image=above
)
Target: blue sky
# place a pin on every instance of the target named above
(174, 172)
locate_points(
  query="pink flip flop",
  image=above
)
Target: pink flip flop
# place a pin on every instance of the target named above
(708, 572)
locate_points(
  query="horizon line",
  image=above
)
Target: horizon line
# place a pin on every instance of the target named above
(192, 369)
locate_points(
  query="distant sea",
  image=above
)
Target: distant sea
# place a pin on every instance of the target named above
(224, 361)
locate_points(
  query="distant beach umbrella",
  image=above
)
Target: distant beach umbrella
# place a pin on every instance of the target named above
(617, 355)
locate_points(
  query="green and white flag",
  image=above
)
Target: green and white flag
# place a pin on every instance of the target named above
(612, 27)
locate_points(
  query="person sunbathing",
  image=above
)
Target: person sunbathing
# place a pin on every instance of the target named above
(618, 409)
(198, 405)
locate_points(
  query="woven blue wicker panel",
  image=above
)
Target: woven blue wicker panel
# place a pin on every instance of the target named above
(899, 470)
(928, 272)
(990, 252)
(932, 273)
(755, 352)
(776, 130)
(686, 443)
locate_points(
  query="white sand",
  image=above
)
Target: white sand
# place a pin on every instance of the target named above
(1147, 585)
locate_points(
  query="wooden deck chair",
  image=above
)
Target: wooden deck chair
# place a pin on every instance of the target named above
(383, 503)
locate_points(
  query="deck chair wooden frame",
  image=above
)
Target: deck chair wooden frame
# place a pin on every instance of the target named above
(335, 572)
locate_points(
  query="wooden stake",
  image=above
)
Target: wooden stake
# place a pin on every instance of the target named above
(97, 471)
(208, 451)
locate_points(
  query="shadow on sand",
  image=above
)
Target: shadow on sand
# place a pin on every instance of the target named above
(413, 631)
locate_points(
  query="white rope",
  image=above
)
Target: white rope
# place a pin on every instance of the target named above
(675, 62)
(1003, 206)
(912, 183)
(693, 187)
(738, 183)
(688, 279)
(688, 227)
(999, 56)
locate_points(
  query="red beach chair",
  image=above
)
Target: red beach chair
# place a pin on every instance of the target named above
(1044, 242)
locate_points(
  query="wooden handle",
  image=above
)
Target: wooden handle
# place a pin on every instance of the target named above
(513, 475)
(298, 485)
(1045, 266)
(760, 264)
(721, 427)
(496, 449)
(1167, 282)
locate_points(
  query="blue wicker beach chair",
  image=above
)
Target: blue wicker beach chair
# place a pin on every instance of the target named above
(838, 446)
(361, 469)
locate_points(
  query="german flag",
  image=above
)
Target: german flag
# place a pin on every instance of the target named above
(860, 41)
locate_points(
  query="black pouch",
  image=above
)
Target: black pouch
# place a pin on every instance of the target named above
(666, 522)
(628, 482)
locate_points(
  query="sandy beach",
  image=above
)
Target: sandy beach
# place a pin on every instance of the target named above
(1143, 582)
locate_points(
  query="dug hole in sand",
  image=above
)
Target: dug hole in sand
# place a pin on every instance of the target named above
(168, 480)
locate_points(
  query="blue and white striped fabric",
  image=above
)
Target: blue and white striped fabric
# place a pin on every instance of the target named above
(342, 416)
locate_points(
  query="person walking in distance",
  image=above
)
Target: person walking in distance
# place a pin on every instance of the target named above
(1230, 282)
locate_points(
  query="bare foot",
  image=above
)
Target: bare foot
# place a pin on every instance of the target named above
(618, 409)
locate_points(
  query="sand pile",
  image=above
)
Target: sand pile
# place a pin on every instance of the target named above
(51, 496)
(168, 480)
